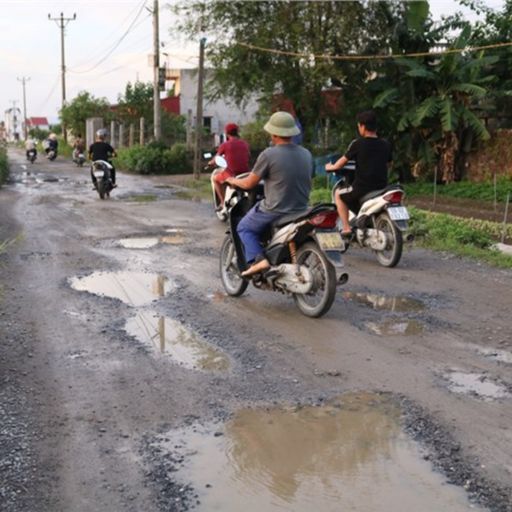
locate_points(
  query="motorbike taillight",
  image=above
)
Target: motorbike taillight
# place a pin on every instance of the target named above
(325, 219)
(395, 196)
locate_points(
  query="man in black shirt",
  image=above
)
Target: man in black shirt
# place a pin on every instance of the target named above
(372, 156)
(101, 150)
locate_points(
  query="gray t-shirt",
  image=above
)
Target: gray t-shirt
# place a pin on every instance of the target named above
(287, 170)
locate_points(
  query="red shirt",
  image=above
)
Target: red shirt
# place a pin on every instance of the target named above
(236, 153)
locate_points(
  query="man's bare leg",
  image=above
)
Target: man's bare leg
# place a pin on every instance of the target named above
(343, 214)
(219, 190)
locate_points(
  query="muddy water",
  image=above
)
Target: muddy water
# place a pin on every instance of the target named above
(346, 456)
(383, 302)
(173, 238)
(133, 288)
(396, 327)
(171, 338)
(476, 384)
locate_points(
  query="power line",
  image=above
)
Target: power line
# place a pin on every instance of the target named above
(351, 57)
(50, 94)
(128, 30)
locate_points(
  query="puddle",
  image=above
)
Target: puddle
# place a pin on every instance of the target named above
(139, 243)
(349, 456)
(383, 302)
(502, 356)
(170, 337)
(393, 327)
(475, 384)
(133, 288)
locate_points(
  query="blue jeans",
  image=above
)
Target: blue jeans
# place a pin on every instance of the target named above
(250, 229)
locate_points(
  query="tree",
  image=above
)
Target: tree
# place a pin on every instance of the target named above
(136, 102)
(83, 106)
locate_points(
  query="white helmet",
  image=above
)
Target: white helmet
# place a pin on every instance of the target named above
(101, 133)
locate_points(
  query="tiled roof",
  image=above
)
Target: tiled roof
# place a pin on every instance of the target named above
(37, 121)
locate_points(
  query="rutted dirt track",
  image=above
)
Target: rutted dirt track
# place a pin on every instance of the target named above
(91, 399)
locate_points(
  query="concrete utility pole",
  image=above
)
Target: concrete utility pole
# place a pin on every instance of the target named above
(23, 81)
(61, 23)
(157, 120)
(199, 110)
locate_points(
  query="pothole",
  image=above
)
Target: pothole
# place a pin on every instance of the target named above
(383, 302)
(350, 454)
(172, 237)
(501, 356)
(171, 338)
(395, 327)
(476, 384)
(133, 288)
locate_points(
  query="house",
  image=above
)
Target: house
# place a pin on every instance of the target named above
(38, 122)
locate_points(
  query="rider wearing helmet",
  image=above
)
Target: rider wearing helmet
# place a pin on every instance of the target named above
(101, 150)
(52, 143)
(236, 152)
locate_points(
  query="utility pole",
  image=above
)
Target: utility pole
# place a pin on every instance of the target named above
(61, 23)
(157, 120)
(199, 110)
(23, 81)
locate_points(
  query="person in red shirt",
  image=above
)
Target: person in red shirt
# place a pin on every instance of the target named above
(236, 152)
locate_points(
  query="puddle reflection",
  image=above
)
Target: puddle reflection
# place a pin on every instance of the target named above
(171, 338)
(346, 456)
(393, 327)
(383, 302)
(475, 384)
(133, 288)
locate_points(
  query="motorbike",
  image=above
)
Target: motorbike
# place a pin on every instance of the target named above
(304, 250)
(101, 169)
(31, 155)
(78, 158)
(382, 221)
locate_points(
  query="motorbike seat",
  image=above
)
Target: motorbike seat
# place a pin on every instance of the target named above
(376, 193)
(291, 217)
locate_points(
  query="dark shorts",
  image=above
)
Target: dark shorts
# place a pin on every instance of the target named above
(351, 197)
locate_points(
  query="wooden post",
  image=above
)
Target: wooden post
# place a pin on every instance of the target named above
(504, 231)
(141, 131)
(131, 134)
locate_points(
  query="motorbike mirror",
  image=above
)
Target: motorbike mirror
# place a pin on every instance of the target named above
(207, 155)
(220, 161)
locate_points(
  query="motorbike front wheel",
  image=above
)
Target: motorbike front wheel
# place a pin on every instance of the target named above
(319, 300)
(391, 255)
(233, 283)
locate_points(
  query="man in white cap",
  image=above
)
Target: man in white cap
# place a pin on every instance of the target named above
(287, 169)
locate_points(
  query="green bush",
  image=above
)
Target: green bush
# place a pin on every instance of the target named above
(155, 158)
(4, 166)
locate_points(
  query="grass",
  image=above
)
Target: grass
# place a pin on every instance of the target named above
(4, 166)
(142, 198)
(202, 187)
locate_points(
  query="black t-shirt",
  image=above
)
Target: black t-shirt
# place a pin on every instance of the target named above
(101, 151)
(372, 155)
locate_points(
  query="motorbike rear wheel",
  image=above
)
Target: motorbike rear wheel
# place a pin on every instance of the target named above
(390, 256)
(101, 188)
(319, 300)
(233, 283)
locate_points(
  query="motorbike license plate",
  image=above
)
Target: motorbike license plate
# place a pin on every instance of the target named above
(330, 240)
(98, 174)
(398, 213)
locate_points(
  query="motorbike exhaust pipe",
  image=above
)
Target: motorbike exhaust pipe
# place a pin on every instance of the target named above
(343, 279)
(409, 238)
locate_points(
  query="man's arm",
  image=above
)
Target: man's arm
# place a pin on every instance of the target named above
(247, 183)
(339, 164)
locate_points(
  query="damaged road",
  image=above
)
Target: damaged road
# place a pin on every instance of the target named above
(129, 381)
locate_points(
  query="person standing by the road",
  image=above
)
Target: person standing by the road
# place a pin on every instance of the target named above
(236, 151)
(101, 150)
(287, 169)
(372, 156)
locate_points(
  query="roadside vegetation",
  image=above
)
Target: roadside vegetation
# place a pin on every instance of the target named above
(4, 166)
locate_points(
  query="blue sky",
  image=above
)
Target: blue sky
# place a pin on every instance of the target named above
(30, 46)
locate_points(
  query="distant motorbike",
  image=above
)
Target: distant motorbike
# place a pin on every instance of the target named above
(31, 155)
(381, 221)
(101, 170)
(304, 250)
(78, 158)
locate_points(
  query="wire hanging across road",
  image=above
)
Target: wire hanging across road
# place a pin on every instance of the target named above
(374, 57)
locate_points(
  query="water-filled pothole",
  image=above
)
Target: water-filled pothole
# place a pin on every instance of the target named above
(476, 384)
(502, 356)
(172, 237)
(171, 338)
(133, 288)
(347, 455)
(383, 302)
(396, 327)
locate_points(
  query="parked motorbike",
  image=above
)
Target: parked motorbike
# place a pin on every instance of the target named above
(78, 158)
(304, 250)
(31, 155)
(101, 170)
(381, 221)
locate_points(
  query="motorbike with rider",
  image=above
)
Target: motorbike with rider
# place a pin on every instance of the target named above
(51, 146)
(103, 172)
